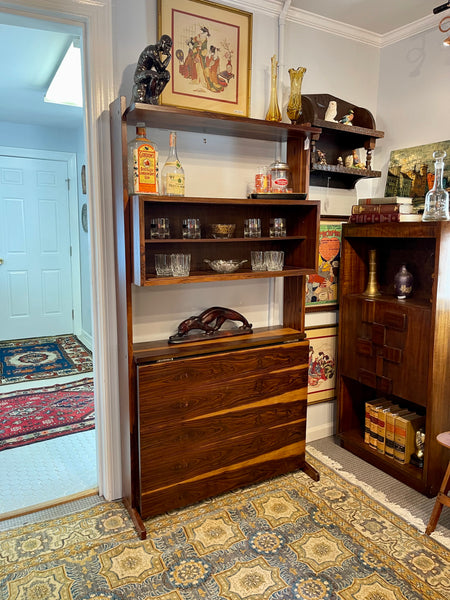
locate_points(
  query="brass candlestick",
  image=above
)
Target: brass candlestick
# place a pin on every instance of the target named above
(372, 289)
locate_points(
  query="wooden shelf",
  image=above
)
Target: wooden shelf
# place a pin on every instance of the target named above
(166, 117)
(352, 440)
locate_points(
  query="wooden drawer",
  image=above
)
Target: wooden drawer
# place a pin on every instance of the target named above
(212, 423)
(385, 342)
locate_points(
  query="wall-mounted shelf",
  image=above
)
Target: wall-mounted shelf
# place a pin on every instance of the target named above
(339, 140)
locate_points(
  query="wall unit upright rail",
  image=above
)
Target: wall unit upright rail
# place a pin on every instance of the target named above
(210, 466)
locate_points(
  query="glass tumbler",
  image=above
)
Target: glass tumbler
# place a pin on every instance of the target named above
(274, 260)
(159, 228)
(252, 228)
(191, 229)
(181, 264)
(258, 261)
(163, 265)
(277, 227)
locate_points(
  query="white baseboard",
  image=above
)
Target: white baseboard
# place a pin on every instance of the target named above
(86, 339)
(319, 432)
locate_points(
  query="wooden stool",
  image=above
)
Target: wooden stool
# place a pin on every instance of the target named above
(442, 498)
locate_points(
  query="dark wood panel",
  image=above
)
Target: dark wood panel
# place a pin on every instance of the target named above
(199, 400)
(223, 366)
(167, 463)
(266, 466)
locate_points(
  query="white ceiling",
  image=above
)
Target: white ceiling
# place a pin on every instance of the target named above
(30, 50)
(377, 16)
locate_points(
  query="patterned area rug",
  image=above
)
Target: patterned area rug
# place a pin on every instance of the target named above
(41, 358)
(290, 538)
(40, 414)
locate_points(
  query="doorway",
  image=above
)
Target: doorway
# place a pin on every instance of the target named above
(45, 277)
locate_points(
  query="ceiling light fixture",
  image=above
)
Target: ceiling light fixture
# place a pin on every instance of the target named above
(444, 29)
(66, 86)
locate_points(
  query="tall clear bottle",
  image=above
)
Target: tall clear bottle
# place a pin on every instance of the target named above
(143, 174)
(436, 199)
(172, 174)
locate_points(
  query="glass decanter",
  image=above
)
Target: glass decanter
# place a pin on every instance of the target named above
(436, 199)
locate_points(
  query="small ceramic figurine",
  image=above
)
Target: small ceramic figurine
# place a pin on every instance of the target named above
(340, 162)
(322, 159)
(348, 161)
(331, 112)
(348, 118)
(356, 162)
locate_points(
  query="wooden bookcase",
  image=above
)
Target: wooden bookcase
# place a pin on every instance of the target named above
(203, 418)
(397, 349)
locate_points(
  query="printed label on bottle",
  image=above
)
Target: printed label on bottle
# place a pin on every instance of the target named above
(279, 184)
(145, 170)
(175, 184)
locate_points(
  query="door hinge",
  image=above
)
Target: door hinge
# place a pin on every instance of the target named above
(68, 184)
(70, 251)
(73, 314)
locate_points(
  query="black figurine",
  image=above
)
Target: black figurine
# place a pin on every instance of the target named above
(209, 322)
(151, 75)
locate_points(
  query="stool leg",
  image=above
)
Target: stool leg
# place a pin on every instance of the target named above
(439, 504)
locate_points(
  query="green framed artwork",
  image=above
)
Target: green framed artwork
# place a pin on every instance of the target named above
(411, 171)
(322, 287)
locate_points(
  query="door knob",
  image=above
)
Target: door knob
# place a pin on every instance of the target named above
(1, 261)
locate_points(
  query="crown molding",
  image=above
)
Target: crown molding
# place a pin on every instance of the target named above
(273, 8)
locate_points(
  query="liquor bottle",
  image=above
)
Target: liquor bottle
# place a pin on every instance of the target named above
(436, 200)
(172, 174)
(143, 169)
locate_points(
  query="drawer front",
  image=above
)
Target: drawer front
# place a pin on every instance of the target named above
(200, 436)
(384, 343)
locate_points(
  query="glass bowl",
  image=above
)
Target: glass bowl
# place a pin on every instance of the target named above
(222, 230)
(225, 266)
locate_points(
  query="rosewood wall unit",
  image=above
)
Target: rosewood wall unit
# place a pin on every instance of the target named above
(338, 139)
(396, 349)
(202, 418)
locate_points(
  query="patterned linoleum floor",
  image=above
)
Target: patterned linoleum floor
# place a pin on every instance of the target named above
(49, 470)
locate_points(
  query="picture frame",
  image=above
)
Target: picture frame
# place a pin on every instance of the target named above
(211, 56)
(322, 287)
(322, 363)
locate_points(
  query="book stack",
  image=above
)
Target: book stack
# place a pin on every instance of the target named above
(391, 430)
(389, 209)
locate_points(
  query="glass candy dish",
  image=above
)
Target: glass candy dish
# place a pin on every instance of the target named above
(225, 266)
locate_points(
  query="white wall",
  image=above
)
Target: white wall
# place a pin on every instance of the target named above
(414, 89)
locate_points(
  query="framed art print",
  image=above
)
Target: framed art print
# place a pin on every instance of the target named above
(322, 287)
(322, 364)
(211, 56)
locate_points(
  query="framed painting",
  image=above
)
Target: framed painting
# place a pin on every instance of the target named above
(211, 56)
(322, 287)
(322, 364)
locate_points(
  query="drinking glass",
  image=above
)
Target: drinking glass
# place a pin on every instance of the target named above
(181, 264)
(159, 228)
(163, 265)
(277, 227)
(191, 229)
(252, 228)
(274, 260)
(258, 261)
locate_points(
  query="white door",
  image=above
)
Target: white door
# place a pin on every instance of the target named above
(35, 263)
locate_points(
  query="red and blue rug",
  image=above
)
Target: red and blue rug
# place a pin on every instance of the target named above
(30, 416)
(41, 358)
